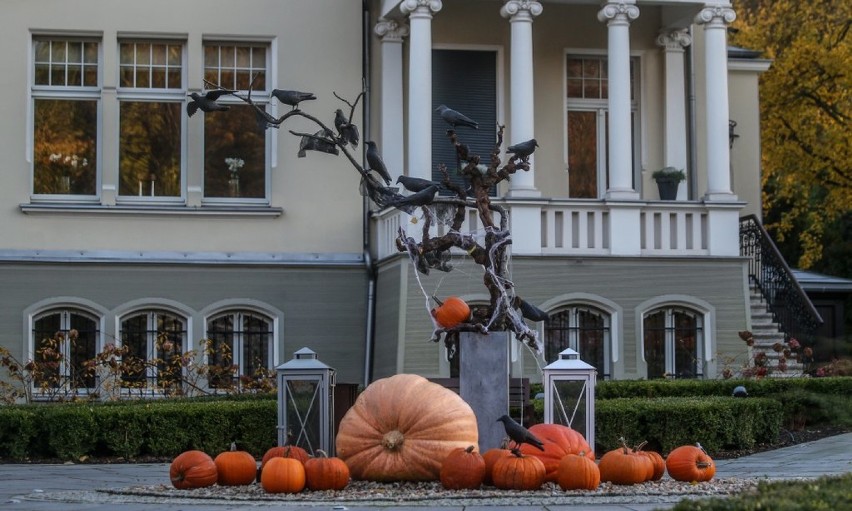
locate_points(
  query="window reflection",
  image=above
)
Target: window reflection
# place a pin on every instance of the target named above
(65, 134)
(234, 154)
(149, 149)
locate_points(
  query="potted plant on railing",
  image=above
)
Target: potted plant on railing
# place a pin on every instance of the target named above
(668, 179)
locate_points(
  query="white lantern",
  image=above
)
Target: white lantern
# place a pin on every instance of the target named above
(305, 403)
(569, 394)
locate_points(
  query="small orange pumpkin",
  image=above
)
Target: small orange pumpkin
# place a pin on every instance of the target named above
(578, 472)
(235, 468)
(558, 441)
(657, 462)
(518, 472)
(463, 469)
(623, 466)
(283, 475)
(491, 456)
(324, 473)
(451, 312)
(691, 464)
(285, 451)
(193, 469)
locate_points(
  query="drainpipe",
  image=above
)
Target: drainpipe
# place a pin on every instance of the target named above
(365, 208)
(692, 150)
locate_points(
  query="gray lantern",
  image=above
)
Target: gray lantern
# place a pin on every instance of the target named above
(305, 403)
(569, 394)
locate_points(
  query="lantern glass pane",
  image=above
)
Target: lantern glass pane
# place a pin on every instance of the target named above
(304, 427)
(569, 404)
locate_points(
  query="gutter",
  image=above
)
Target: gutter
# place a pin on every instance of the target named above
(365, 209)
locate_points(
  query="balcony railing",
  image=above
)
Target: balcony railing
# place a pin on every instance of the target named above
(578, 227)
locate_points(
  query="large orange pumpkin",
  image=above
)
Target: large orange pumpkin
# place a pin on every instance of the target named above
(463, 469)
(402, 428)
(558, 441)
(578, 472)
(324, 473)
(518, 472)
(193, 469)
(283, 475)
(690, 463)
(235, 468)
(451, 312)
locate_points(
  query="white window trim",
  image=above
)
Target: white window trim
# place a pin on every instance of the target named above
(262, 98)
(35, 92)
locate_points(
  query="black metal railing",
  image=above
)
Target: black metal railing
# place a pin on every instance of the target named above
(790, 306)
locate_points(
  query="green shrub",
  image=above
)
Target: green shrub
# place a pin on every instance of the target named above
(122, 430)
(828, 493)
(666, 423)
(68, 431)
(17, 428)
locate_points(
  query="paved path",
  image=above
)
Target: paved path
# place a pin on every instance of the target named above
(72, 487)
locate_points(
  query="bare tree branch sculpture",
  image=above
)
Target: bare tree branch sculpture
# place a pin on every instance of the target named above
(506, 311)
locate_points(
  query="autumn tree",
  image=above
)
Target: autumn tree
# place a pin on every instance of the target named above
(806, 105)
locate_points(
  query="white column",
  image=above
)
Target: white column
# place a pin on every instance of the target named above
(420, 85)
(715, 19)
(674, 117)
(392, 142)
(521, 105)
(618, 17)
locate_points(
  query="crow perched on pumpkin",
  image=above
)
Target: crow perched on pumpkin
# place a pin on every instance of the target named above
(519, 434)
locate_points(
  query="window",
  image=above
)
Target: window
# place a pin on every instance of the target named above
(66, 97)
(235, 146)
(64, 341)
(151, 96)
(587, 92)
(584, 329)
(155, 341)
(673, 338)
(240, 347)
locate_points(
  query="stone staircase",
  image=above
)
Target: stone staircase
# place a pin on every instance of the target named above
(767, 336)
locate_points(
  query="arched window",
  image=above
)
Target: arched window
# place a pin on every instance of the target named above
(584, 329)
(155, 341)
(672, 343)
(64, 340)
(240, 348)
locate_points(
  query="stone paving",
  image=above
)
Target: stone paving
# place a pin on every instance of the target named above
(67, 487)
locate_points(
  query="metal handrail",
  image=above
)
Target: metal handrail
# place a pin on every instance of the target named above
(768, 271)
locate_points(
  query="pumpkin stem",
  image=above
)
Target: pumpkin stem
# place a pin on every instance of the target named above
(322, 454)
(233, 446)
(438, 301)
(469, 449)
(624, 445)
(703, 464)
(393, 440)
(640, 446)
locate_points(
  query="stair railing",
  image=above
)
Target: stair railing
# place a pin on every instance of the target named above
(768, 271)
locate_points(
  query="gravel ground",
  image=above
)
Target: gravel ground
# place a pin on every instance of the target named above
(363, 493)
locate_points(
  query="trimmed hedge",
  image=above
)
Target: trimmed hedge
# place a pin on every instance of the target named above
(665, 423)
(133, 429)
(828, 493)
(611, 389)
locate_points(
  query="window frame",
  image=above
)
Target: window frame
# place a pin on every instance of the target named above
(153, 95)
(261, 98)
(600, 106)
(705, 318)
(69, 93)
(573, 330)
(66, 368)
(238, 341)
(151, 376)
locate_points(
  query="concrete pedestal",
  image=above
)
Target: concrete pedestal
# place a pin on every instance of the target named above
(484, 382)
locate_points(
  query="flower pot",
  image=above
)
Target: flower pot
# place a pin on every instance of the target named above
(667, 188)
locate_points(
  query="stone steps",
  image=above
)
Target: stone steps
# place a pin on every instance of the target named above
(766, 334)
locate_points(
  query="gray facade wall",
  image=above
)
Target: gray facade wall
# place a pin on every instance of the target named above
(321, 307)
(630, 285)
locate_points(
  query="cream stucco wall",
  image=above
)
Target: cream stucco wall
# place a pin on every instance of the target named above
(302, 187)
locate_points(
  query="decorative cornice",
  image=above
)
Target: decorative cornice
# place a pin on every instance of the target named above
(420, 7)
(675, 40)
(521, 9)
(719, 15)
(391, 30)
(618, 13)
